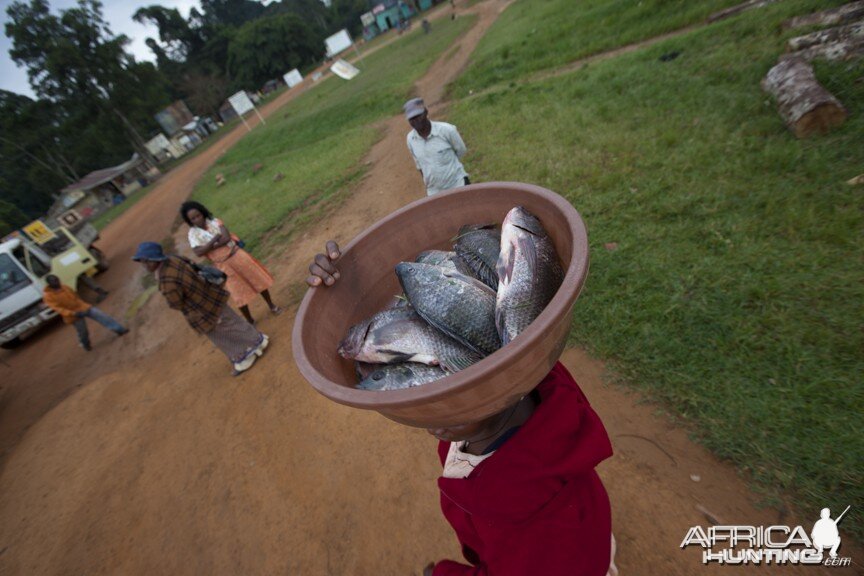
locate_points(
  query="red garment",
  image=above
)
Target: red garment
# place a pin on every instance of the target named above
(536, 507)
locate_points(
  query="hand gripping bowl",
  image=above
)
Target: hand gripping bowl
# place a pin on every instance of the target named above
(368, 283)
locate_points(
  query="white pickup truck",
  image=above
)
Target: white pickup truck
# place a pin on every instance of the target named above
(24, 264)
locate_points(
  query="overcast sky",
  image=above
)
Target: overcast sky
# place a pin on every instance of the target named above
(118, 14)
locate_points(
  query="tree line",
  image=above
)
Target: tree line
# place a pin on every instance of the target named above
(95, 104)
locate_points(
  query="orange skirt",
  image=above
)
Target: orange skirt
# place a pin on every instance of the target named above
(247, 277)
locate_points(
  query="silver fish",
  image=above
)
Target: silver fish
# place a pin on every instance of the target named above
(363, 370)
(401, 335)
(460, 306)
(529, 273)
(445, 259)
(478, 245)
(401, 376)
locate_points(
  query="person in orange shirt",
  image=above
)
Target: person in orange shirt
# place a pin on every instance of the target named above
(74, 310)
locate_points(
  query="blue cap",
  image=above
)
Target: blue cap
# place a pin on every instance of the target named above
(414, 107)
(149, 251)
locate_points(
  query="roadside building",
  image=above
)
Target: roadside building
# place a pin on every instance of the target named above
(391, 13)
(101, 189)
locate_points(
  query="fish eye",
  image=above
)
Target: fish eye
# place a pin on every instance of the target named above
(377, 375)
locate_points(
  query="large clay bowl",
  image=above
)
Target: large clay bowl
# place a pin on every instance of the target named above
(368, 283)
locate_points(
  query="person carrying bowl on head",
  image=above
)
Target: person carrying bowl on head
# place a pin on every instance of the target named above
(205, 306)
(436, 148)
(63, 300)
(247, 277)
(519, 487)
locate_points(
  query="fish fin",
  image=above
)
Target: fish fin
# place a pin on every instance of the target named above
(477, 268)
(529, 251)
(505, 338)
(489, 277)
(500, 325)
(468, 228)
(396, 356)
(399, 301)
(506, 263)
(470, 280)
(461, 265)
(440, 327)
(457, 362)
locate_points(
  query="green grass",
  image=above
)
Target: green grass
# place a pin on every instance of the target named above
(735, 292)
(533, 36)
(317, 141)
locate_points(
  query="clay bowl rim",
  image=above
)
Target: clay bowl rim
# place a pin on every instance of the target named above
(380, 401)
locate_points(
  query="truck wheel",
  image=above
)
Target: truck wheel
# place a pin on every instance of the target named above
(11, 344)
(101, 260)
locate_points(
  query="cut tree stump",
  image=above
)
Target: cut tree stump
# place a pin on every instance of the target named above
(840, 15)
(805, 106)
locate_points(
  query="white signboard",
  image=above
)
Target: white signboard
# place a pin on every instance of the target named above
(241, 103)
(344, 70)
(157, 144)
(338, 42)
(293, 78)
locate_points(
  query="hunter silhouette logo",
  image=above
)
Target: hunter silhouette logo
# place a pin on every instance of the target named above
(825, 533)
(770, 544)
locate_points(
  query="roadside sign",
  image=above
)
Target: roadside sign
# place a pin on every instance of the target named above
(38, 232)
(241, 103)
(344, 70)
(337, 43)
(293, 78)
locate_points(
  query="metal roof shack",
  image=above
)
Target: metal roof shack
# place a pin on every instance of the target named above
(101, 189)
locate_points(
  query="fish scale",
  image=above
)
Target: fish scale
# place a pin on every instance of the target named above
(460, 306)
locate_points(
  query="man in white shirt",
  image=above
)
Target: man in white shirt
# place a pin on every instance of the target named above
(436, 148)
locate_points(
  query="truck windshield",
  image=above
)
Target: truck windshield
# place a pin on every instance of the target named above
(12, 278)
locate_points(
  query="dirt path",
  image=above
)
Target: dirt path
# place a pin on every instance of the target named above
(144, 457)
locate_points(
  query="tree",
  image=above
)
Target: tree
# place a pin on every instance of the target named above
(267, 47)
(33, 160)
(346, 14)
(230, 12)
(11, 218)
(308, 10)
(178, 38)
(205, 93)
(74, 60)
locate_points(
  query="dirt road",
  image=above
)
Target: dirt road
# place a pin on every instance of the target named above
(145, 457)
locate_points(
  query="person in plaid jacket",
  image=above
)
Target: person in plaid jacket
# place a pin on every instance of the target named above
(205, 306)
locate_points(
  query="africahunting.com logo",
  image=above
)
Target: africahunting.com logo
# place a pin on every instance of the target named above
(770, 544)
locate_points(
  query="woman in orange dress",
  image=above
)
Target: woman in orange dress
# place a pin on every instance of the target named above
(247, 277)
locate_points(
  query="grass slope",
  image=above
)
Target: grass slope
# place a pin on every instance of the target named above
(533, 36)
(735, 290)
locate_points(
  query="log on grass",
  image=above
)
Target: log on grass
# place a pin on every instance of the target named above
(806, 107)
(735, 10)
(850, 49)
(840, 15)
(829, 36)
